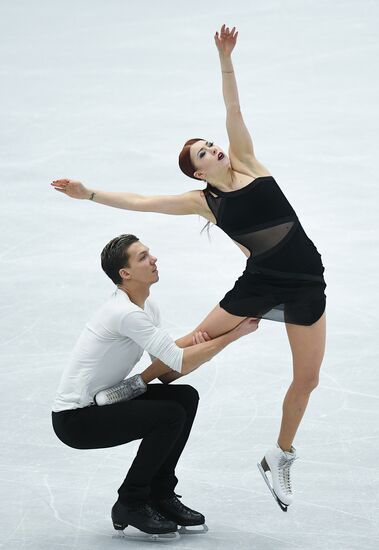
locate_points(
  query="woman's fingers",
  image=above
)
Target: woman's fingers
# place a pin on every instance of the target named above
(72, 188)
(59, 185)
(227, 30)
(226, 36)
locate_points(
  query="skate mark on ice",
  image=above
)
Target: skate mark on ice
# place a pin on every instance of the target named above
(57, 516)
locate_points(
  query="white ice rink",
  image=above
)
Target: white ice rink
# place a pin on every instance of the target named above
(107, 92)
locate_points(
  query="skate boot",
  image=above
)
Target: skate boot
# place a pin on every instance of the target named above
(173, 509)
(148, 523)
(123, 391)
(278, 463)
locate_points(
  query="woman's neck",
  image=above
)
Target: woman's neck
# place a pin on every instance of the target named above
(224, 181)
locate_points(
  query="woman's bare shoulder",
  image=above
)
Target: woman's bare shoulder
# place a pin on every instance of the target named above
(204, 209)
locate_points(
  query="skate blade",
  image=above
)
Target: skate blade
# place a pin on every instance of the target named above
(132, 533)
(193, 529)
(281, 505)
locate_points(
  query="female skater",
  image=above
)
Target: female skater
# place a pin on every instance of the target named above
(283, 279)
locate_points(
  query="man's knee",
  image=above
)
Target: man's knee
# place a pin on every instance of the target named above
(188, 396)
(173, 413)
(191, 392)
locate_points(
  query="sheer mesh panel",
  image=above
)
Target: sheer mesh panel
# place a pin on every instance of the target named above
(265, 239)
(214, 203)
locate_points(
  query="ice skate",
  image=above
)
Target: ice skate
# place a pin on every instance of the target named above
(143, 522)
(190, 521)
(123, 391)
(278, 463)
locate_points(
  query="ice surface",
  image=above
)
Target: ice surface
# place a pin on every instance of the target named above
(106, 92)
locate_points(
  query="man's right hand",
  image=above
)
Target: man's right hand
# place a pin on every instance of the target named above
(200, 337)
(250, 324)
(72, 188)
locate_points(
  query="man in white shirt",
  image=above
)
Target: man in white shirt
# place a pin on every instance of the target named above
(110, 345)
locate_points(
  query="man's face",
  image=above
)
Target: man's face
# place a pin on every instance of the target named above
(142, 265)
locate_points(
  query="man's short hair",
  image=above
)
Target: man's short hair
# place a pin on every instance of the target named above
(115, 256)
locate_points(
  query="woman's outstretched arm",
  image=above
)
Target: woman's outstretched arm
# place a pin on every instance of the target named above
(241, 145)
(186, 203)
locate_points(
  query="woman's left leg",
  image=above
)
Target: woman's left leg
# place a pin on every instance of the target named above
(308, 347)
(217, 322)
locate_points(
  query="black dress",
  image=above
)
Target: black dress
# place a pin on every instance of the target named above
(283, 279)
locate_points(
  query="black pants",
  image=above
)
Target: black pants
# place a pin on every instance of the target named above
(162, 417)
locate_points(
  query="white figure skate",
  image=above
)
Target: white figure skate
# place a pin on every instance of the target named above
(278, 463)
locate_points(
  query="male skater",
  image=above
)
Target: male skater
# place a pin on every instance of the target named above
(161, 415)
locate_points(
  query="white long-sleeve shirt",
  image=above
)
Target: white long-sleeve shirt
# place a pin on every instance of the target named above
(110, 345)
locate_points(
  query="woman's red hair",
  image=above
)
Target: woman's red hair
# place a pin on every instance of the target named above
(185, 162)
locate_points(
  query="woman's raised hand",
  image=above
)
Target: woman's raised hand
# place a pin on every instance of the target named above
(72, 188)
(226, 40)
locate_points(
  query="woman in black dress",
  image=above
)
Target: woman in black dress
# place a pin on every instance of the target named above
(283, 279)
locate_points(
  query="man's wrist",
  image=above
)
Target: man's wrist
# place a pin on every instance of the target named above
(227, 338)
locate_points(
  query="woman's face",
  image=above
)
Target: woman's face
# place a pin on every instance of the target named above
(208, 159)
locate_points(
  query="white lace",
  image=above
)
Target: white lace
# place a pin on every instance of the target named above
(284, 473)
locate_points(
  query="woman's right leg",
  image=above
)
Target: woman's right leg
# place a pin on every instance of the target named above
(158, 424)
(216, 323)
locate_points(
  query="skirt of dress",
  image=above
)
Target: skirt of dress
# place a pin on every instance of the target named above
(294, 298)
